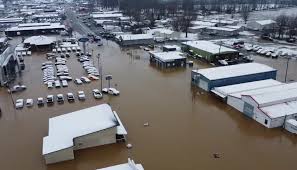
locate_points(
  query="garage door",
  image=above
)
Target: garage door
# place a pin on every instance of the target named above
(248, 110)
(203, 85)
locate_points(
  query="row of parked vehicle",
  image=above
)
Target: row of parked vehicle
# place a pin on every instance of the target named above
(59, 98)
(68, 49)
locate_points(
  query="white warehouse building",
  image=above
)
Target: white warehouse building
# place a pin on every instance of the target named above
(90, 127)
(271, 106)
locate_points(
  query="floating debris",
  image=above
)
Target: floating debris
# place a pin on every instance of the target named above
(146, 124)
(216, 155)
(129, 145)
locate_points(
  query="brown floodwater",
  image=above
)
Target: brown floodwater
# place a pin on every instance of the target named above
(186, 125)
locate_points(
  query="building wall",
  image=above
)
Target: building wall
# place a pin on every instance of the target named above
(235, 103)
(291, 128)
(242, 79)
(103, 137)
(59, 156)
(137, 42)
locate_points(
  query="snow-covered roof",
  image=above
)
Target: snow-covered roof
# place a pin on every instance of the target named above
(221, 29)
(203, 23)
(265, 22)
(271, 89)
(172, 46)
(127, 166)
(40, 40)
(227, 90)
(168, 56)
(223, 72)
(209, 47)
(101, 21)
(160, 30)
(280, 110)
(136, 36)
(107, 15)
(36, 26)
(11, 20)
(292, 122)
(63, 129)
(276, 97)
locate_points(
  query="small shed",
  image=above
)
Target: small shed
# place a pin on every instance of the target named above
(209, 78)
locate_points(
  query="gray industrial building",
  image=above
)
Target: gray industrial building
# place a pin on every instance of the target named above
(209, 78)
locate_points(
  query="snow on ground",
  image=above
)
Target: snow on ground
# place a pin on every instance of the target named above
(246, 33)
(190, 37)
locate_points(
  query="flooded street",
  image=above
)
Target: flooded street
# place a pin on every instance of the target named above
(186, 125)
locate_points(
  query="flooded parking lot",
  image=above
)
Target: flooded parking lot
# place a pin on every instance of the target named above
(186, 125)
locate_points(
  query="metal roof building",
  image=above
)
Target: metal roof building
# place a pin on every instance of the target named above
(209, 78)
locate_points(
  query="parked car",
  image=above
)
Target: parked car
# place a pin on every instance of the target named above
(64, 83)
(40, 101)
(111, 91)
(18, 88)
(81, 95)
(85, 80)
(19, 103)
(60, 98)
(50, 85)
(92, 77)
(97, 94)
(50, 99)
(78, 81)
(57, 84)
(70, 97)
(29, 102)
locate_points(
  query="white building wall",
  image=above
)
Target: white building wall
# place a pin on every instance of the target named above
(59, 156)
(235, 103)
(103, 137)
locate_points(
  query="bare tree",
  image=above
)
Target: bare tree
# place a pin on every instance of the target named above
(282, 22)
(245, 13)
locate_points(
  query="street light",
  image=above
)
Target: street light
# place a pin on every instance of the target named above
(288, 59)
(100, 71)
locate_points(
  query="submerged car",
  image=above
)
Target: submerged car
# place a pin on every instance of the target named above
(70, 97)
(60, 98)
(97, 94)
(50, 99)
(19, 103)
(40, 101)
(111, 91)
(29, 102)
(81, 95)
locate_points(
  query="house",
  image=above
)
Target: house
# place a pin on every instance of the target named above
(203, 23)
(34, 29)
(221, 31)
(225, 91)
(209, 51)
(89, 127)
(135, 39)
(127, 166)
(260, 25)
(168, 59)
(209, 78)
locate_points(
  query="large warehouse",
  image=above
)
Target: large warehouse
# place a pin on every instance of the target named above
(135, 39)
(209, 78)
(90, 127)
(34, 29)
(210, 51)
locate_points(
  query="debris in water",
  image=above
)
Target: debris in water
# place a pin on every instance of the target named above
(129, 145)
(216, 155)
(146, 124)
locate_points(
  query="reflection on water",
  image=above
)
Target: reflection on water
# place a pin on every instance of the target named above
(186, 125)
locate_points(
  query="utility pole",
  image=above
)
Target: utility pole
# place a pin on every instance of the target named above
(288, 59)
(100, 71)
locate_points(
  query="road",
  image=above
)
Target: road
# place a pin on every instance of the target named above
(76, 24)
